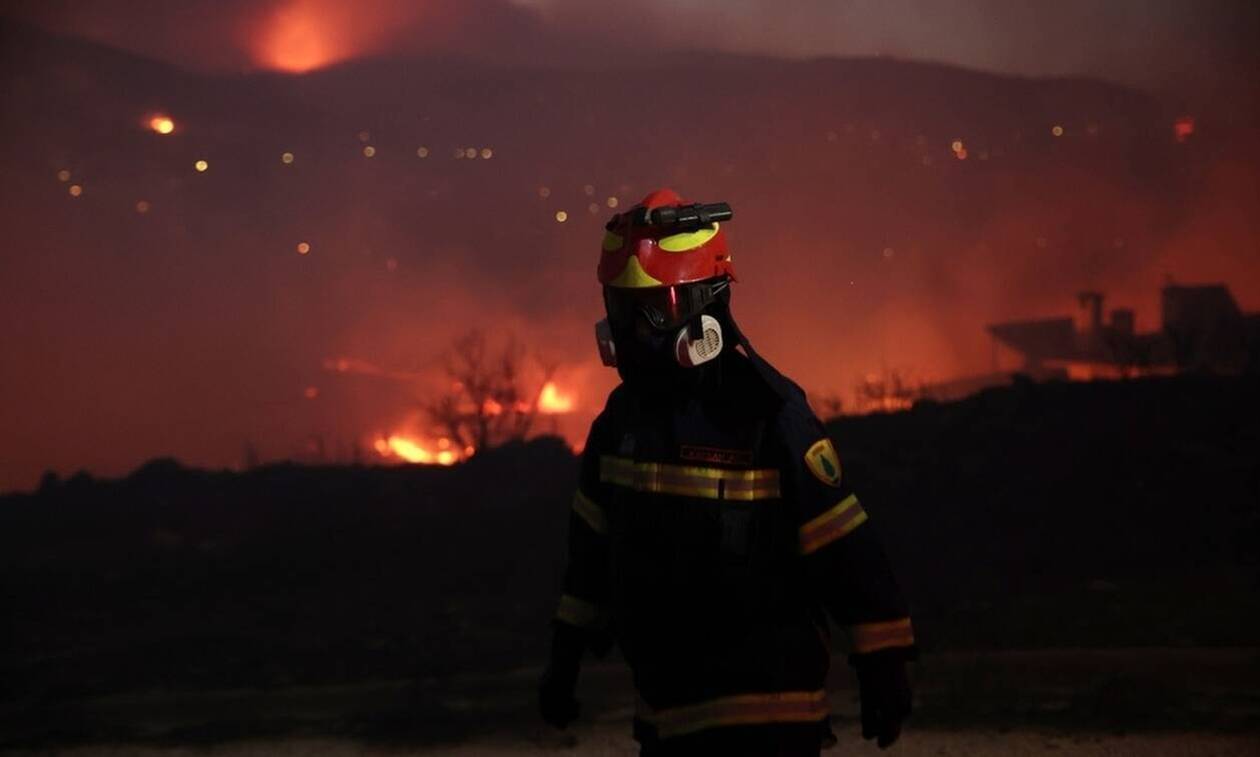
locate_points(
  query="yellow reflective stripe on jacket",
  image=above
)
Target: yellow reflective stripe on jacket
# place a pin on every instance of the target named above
(592, 513)
(831, 525)
(690, 481)
(579, 612)
(868, 637)
(741, 709)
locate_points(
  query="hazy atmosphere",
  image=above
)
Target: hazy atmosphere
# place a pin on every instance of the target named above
(297, 360)
(420, 154)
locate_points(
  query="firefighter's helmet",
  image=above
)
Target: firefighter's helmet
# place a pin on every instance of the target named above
(663, 263)
(664, 241)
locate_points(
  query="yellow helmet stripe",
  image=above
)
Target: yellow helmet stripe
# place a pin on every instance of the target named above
(688, 241)
(634, 277)
(612, 242)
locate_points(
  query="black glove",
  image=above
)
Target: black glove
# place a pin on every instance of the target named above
(885, 691)
(556, 702)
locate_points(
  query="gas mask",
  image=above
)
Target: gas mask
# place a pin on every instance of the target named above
(690, 349)
(660, 330)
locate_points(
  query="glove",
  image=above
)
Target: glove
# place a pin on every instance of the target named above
(556, 703)
(884, 689)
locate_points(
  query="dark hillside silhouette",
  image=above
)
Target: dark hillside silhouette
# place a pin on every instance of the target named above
(1041, 515)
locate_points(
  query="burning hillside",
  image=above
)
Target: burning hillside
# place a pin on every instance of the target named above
(207, 263)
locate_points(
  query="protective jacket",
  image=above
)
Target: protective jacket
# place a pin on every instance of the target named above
(711, 533)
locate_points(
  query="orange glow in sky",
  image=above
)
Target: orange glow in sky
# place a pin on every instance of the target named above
(1183, 128)
(305, 35)
(298, 40)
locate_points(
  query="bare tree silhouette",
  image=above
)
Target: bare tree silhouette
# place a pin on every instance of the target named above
(490, 400)
(828, 405)
(887, 392)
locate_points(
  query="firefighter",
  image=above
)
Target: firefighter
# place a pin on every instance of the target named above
(713, 530)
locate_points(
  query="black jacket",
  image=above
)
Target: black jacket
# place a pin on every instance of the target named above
(709, 532)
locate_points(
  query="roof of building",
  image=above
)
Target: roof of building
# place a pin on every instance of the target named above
(1048, 337)
(1209, 296)
(1206, 309)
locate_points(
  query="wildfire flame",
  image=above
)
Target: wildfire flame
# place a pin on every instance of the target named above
(423, 449)
(298, 40)
(305, 35)
(552, 402)
(414, 451)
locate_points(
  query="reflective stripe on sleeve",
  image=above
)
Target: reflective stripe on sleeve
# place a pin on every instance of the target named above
(741, 709)
(579, 612)
(869, 637)
(690, 481)
(592, 513)
(831, 525)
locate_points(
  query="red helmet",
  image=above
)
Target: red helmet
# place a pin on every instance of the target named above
(663, 242)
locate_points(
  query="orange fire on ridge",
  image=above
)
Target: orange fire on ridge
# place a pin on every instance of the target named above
(552, 402)
(298, 40)
(305, 35)
(412, 450)
(408, 446)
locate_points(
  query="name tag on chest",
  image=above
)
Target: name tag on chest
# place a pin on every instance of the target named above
(715, 455)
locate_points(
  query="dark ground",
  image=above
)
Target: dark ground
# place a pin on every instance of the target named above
(1080, 557)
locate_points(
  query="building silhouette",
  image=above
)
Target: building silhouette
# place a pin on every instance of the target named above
(1202, 330)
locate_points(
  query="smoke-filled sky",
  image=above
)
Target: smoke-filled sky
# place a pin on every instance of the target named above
(1156, 44)
(427, 152)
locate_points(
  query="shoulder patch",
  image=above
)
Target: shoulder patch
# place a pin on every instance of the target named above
(823, 462)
